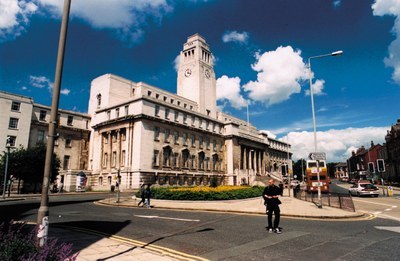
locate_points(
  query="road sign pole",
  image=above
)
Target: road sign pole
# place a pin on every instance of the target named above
(319, 186)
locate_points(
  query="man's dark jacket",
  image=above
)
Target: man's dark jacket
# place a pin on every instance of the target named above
(272, 191)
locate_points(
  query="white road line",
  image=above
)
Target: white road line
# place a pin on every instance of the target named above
(179, 219)
(394, 229)
(382, 204)
(388, 209)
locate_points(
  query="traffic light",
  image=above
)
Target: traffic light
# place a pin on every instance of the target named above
(380, 165)
(371, 167)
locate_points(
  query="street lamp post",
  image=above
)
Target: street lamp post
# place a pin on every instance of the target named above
(6, 170)
(313, 112)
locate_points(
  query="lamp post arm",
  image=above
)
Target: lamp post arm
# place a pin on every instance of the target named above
(312, 102)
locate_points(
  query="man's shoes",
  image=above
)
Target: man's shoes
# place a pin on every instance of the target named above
(270, 230)
(278, 230)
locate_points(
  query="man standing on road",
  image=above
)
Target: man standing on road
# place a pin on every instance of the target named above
(272, 202)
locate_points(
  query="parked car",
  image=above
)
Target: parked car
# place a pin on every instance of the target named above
(364, 189)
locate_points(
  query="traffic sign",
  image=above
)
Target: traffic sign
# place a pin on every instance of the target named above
(317, 156)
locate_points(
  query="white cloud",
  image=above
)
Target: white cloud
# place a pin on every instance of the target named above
(229, 89)
(234, 36)
(279, 75)
(65, 92)
(337, 3)
(14, 17)
(337, 144)
(318, 88)
(126, 17)
(41, 82)
(391, 7)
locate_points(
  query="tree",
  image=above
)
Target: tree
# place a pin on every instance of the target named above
(28, 165)
(297, 168)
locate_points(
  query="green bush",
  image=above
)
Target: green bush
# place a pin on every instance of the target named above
(205, 193)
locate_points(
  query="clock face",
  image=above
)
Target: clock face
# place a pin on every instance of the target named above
(207, 73)
(188, 72)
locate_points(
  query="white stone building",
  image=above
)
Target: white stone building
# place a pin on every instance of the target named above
(149, 135)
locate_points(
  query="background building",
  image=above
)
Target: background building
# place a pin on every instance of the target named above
(25, 123)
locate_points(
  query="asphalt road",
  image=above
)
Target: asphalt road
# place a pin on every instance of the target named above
(222, 236)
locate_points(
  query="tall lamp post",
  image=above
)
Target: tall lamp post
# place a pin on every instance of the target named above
(313, 111)
(6, 169)
(43, 212)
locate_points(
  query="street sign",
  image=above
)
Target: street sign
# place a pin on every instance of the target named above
(317, 156)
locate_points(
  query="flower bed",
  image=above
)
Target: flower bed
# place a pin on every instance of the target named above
(206, 193)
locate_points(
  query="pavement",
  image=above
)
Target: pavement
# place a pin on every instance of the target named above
(91, 245)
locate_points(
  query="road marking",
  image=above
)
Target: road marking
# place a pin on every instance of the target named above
(179, 219)
(377, 212)
(393, 229)
(269, 240)
(382, 204)
(388, 209)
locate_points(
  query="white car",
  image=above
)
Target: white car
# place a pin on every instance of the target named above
(364, 189)
(294, 183)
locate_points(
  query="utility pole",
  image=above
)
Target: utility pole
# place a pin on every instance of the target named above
(43, 212)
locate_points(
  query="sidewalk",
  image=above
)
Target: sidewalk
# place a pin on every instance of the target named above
(97, 246)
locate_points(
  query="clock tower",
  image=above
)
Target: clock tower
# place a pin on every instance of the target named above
(196, 77)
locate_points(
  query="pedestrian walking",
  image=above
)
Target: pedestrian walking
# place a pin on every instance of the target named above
(142, 195)
(272, 202)
(147, 193)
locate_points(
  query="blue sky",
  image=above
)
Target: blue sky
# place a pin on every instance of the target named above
(260, 47)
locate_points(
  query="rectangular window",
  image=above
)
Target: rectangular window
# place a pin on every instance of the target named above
(207, 142)
(220, 145)
(192, 159)
(11, 140)
(167, 113)
(70, 120)
(207, 165)
(40, 136)
(176, 115)
(105, 160)
(114, 136)
(123, 134)
(15, 106)
(123, 154)
(200, 123)
(184, 118)
(184, 139)
(155, 157)
(68, 141)
(176, 137)
(175, 160)
(213, 127)
(156, 133)
(193, 138)
(193, 120)
(105, 138)
(200, 142)
(114, 158)
(66, 162)
(13, 124)
(166, 138)
(42, 115)
(157, 111)
(214, 145)
(117, 113)
(126, 110)
(207, 124)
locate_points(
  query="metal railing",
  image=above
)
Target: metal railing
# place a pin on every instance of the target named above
(331, 199)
